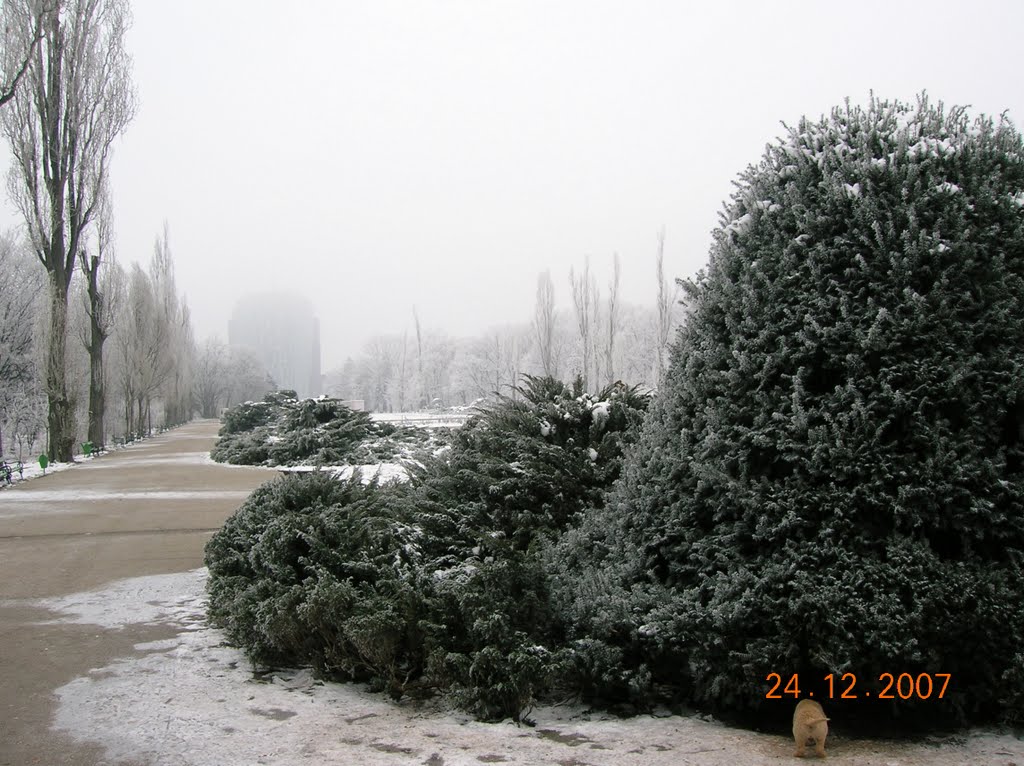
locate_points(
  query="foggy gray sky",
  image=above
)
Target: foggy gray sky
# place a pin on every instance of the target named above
(378, 155)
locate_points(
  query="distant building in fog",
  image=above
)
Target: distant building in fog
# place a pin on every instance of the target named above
(284, 334)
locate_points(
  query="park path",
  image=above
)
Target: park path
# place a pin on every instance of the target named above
(145, 510)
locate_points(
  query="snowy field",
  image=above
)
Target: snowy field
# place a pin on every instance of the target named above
(192, 701)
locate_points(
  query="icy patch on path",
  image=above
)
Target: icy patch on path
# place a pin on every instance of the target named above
(179, 599)
(191, 701)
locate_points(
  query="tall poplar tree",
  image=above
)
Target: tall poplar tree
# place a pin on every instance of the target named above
(73, 100)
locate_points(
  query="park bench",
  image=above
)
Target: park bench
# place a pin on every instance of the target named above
(7, 470)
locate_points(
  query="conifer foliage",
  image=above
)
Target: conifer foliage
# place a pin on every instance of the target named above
(832, 479)
(285, 430)
(439, 584)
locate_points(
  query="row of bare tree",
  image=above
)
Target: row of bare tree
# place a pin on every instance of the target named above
(68, 94)
(223, 376)
(129, 360)
(599, 338)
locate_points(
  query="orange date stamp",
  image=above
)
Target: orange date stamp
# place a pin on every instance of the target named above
(903, 686)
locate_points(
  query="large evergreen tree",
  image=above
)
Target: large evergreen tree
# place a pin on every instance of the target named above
(832, 477)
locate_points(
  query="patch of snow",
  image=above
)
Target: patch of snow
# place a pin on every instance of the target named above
(190, 700)
(32, 470)
(852, 190)
(453, 418)
(946, 186)
(140, 600)
(383, 472)
(741, 225)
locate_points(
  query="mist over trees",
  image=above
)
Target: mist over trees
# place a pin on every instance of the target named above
(93, 350)
(142, 377)
(88, 349)
(598, 338)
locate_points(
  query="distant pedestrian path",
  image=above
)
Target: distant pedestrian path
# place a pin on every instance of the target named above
(145, 510)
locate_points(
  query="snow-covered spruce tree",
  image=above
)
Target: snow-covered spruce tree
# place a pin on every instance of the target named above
(832, 479)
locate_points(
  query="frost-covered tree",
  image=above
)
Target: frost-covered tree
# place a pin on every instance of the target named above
(104, 289)
(210, 383)
(172, 372)
(544, 324)
(438, 355)
(19, 305)
(613, 323)
(248, 379)
(73, 99)
(832, 477)
(666, 300)
(140, 344)
(585, 299)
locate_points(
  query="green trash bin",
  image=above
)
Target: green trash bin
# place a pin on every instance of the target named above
(87, 448)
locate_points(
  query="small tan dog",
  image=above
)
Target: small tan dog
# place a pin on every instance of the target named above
(809, 722)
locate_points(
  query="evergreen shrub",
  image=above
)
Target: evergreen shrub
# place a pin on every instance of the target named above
(282, 430)
(436, 585)
(313, 570)
(832, 478)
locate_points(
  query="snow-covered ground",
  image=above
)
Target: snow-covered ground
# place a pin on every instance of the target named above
(31, 470)
(192, 701)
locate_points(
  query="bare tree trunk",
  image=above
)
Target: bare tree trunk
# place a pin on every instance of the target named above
(140, 425)
(596, 359)
(663, 314)
(97, 337)
(613, 323)
(424, 399)
(401, 372)
(60, 447)
(544, 323)
(582, 298)
(97, 394)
